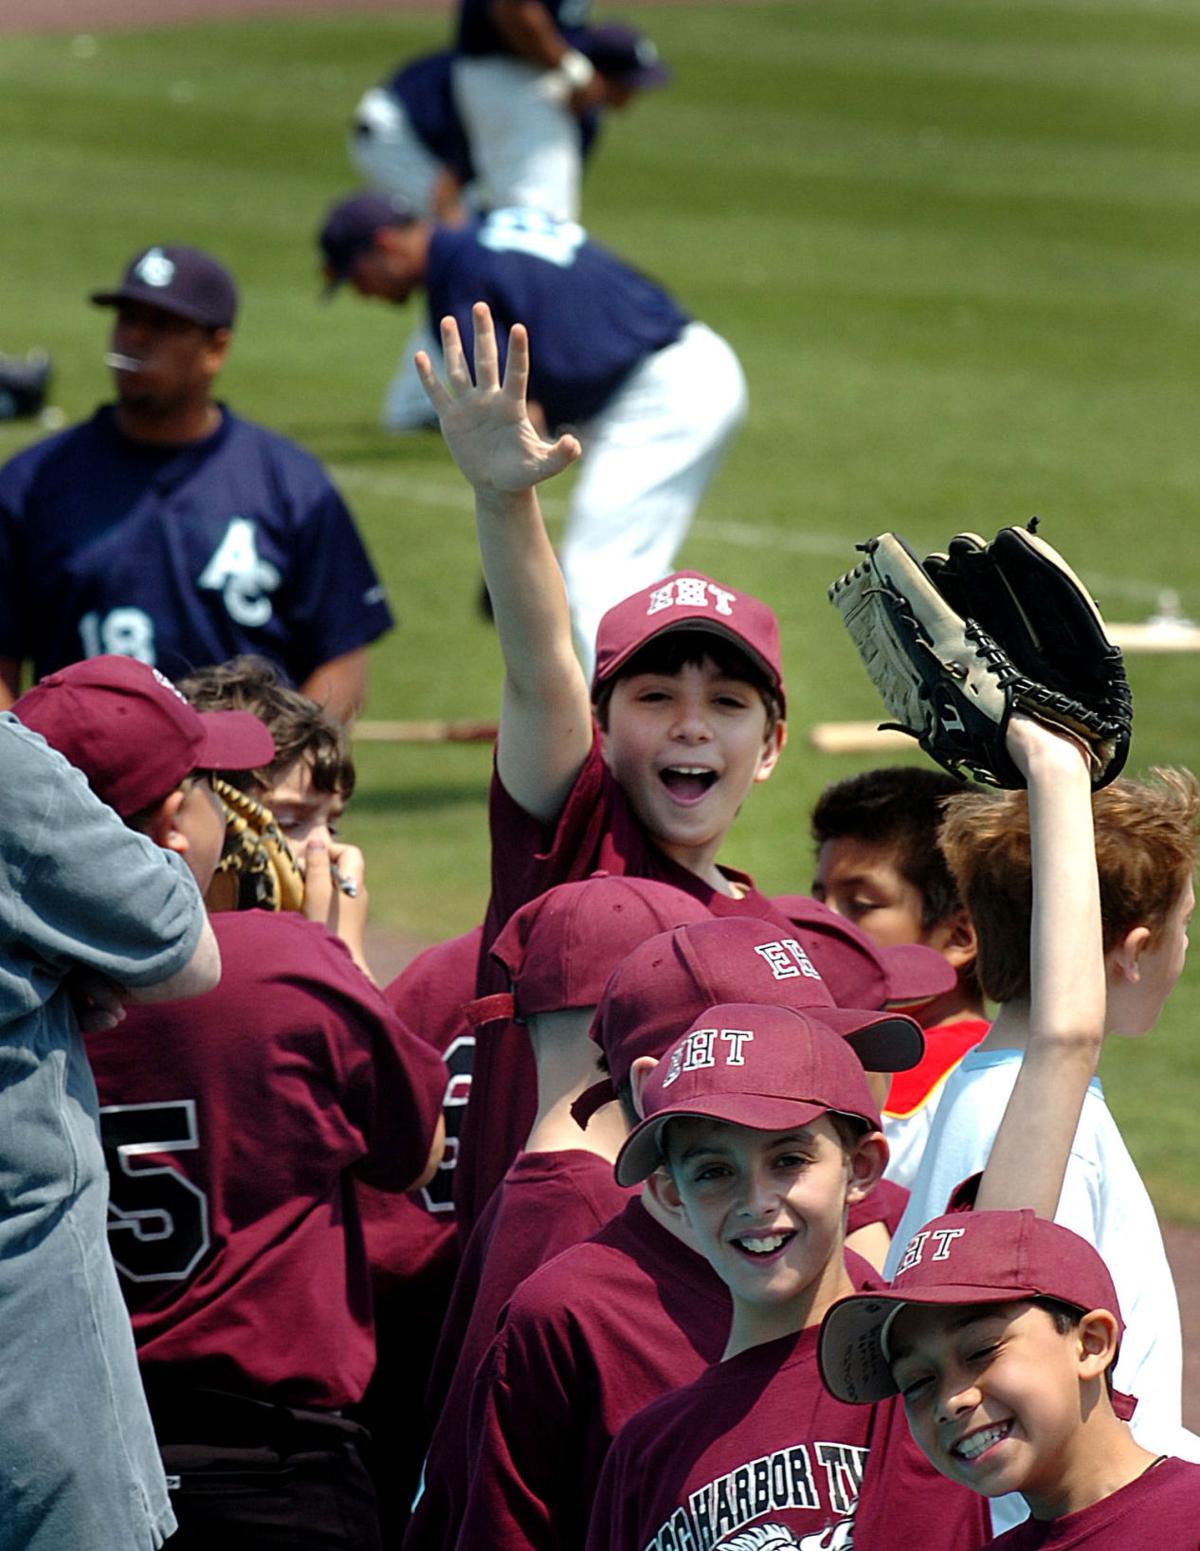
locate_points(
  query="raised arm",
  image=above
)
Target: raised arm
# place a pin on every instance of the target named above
(545, 711)
(1068, 989)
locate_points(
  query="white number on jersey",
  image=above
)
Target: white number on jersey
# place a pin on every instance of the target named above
(530, 231)
(123, 632)
(240, 575)
(157, 1220)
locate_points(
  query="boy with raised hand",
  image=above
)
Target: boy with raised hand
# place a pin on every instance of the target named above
(237, 1126)
(879, 865)
(689, 701)
(1000, 1332)
(617, 1321)
(759, 1132)
(1110, 880)
(558, 952)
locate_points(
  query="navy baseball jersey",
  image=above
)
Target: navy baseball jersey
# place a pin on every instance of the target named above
(591, 318)
(477, 32)
(180, 556)
(235, 1126)
(424, 88)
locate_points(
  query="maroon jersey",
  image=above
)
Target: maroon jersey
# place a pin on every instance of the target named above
(546, 1203)
(1160, 1509)
(885, 1203)
(412, 1242)
(234, 1125)
(589, 1339)
(757, 1454)
(596, 829)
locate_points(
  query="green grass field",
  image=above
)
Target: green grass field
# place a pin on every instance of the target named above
(955, 245)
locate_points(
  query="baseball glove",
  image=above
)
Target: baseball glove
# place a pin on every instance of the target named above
(257, 870)
(950, 683)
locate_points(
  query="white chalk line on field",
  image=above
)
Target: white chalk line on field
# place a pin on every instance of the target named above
(738, 535)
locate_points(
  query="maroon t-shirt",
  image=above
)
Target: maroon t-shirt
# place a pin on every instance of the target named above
(885, 1203)
(757, 1453)
(547, 1202)
(234, 1125)
(596, 829)
(1160, 1509)
(412, 1242)
(589, 1339)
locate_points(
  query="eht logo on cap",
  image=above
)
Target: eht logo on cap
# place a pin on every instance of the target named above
(699, 1050)
(787, 959)
(943, 1240)
(691, 592)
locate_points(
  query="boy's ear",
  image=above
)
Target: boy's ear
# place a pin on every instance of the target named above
(1125, 957)
(867, 1163)
(772, 749)
(955, 939)
(161, 826)
(661, 1185)
(638, 1072)
(1096, 1334)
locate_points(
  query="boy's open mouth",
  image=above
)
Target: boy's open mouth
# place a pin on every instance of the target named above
(687, 783)
(974, 1444)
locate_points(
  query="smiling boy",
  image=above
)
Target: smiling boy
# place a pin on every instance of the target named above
(689, 705)
(760, 1131)
(1000, 1333)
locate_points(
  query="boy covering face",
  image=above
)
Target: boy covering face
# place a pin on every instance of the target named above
(999, 1333)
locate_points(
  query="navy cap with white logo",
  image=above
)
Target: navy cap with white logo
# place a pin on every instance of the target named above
(179, 280)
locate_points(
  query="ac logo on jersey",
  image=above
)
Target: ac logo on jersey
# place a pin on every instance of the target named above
(691, 592)
(243, 578)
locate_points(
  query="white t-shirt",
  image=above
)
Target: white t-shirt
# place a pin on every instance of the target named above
(1103, 1200)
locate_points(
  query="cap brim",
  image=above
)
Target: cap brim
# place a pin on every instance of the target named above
(850, 1348)
(642, 1152)
(916, 974)
(234, 740)
(882, 1041)
(149, 297)
(694, 622)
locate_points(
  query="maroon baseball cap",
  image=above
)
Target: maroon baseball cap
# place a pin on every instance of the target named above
(133, 734)
(858, 972)
(668, 981)
(962, 1258)
(177, 279)
(686, 600)
(560, 948)
(770, 1068)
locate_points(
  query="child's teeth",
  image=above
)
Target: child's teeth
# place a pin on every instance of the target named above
(764, 1246)
(972, 1447)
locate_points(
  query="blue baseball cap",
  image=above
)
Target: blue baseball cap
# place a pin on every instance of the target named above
(177, 279)
(349, 229)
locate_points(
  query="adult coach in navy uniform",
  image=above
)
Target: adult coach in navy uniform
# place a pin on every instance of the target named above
(169, 529)
(653, 395)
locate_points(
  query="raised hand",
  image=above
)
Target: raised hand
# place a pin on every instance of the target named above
(485, 422)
